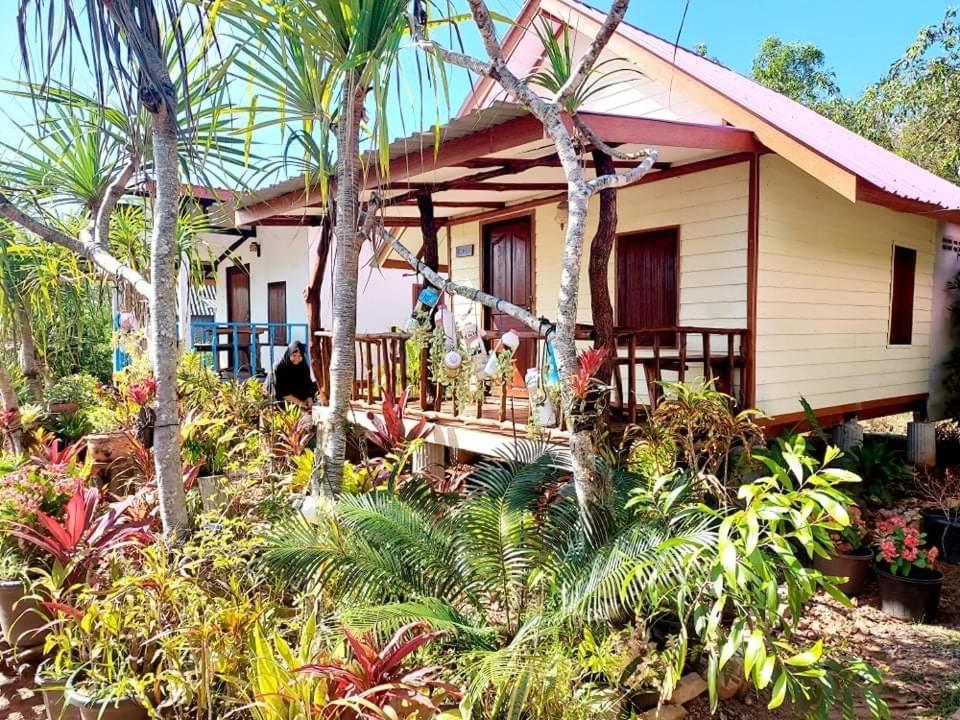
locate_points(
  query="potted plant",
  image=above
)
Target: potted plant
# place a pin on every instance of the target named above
(71, 393)
(941, 522)
(21, 615)
(106, 644)
(208, 441)
(909, 584)
(852, 556)
(60, 660)
(26, 493)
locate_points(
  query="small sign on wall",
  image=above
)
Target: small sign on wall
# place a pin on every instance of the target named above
(464, 251)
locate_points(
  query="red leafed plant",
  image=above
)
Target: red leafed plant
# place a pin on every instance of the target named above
(377, 679)
(143, 391)
(85, 535)
(589, 364)
(56, 460)
(390, 433)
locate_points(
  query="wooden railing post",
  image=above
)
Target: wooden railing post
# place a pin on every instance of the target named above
(424, 383)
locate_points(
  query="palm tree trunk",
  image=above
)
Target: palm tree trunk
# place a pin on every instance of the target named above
(345, 272)
(10, 403)
(29, 360)
(163, 324)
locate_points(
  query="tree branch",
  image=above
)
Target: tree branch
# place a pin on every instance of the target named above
(539, 325)
(605, 182)
(101, 233)
(598, 142)
(582, 69)
(107, 264)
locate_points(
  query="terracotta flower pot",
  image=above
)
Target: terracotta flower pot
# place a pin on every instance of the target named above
(915, 597)
(91, 708)
(854, 566)
(105, 448)
(21, 617)
(943, 530)
(63, 408)
(52, 690)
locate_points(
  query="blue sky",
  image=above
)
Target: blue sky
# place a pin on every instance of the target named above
(860, 37)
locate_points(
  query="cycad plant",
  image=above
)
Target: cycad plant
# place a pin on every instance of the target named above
(516, 581)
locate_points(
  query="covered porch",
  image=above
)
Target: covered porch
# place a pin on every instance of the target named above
(681, 276)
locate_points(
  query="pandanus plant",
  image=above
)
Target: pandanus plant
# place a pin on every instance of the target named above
(85, 535)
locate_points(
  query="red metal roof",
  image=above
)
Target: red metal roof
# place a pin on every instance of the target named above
(856, 154)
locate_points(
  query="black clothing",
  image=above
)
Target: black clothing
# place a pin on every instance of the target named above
(290, 379)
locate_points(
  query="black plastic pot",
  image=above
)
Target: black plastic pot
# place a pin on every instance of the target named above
(915, 597)
(943, 530)
(854, 566)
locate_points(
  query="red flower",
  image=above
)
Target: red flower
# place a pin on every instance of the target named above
(590, 362)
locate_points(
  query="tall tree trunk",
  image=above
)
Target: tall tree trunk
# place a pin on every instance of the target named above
(601, 248)
(163, 324)
(314, 300)
(428, 229)
(593, 488)
(10, 403)
(430, 252)
(29, 359)
(346, 269)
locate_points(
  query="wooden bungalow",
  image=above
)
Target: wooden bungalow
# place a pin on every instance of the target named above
(769, 249)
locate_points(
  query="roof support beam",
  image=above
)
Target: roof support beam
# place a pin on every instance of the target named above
(553, 161)
(648, 131)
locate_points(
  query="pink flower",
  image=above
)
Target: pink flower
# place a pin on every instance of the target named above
(910, 554)
(912, 540)
(932, 555)
(883, 527)
(888, 550)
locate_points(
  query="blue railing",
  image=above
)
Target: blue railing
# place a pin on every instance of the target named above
(244, 349)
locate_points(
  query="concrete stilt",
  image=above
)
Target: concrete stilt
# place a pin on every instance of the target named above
(921, 443)
(849, 435)
(430, 459)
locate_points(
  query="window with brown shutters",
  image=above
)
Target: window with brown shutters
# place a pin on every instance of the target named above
(277, 311)
(648, 281)
(901, 297)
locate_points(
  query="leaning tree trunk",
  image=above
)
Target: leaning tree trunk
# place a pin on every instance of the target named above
(346, 270)
(29, 361)
(10, 403)
(314, 301)
(600, 250)
(163, 324)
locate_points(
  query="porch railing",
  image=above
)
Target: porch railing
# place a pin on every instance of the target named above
(645, 359)
(242, 349)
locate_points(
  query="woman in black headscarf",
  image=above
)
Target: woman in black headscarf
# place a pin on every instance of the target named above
(291, 377)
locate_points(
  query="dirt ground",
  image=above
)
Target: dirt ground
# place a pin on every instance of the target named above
(18, 699)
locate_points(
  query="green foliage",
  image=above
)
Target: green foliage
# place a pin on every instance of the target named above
(796, 70)
(80, 388)
(784, 518)
(884, 473)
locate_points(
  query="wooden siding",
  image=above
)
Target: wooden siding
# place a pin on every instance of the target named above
(823, 298)
(710, 209)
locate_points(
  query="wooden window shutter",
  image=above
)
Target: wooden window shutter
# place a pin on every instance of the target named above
(901, 298)
(277, 311)
(648, 281)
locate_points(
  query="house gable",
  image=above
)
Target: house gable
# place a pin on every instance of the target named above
(847, 163)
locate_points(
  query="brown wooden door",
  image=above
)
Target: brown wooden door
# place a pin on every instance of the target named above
(647, 282)
(238, 311)
(508, 274)
(277, 312)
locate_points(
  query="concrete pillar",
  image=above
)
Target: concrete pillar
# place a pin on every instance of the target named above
(849, 435)
(921, 443)
(430, 459)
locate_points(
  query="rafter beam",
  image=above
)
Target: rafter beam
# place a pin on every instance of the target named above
(552, 161)
(620, 129)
